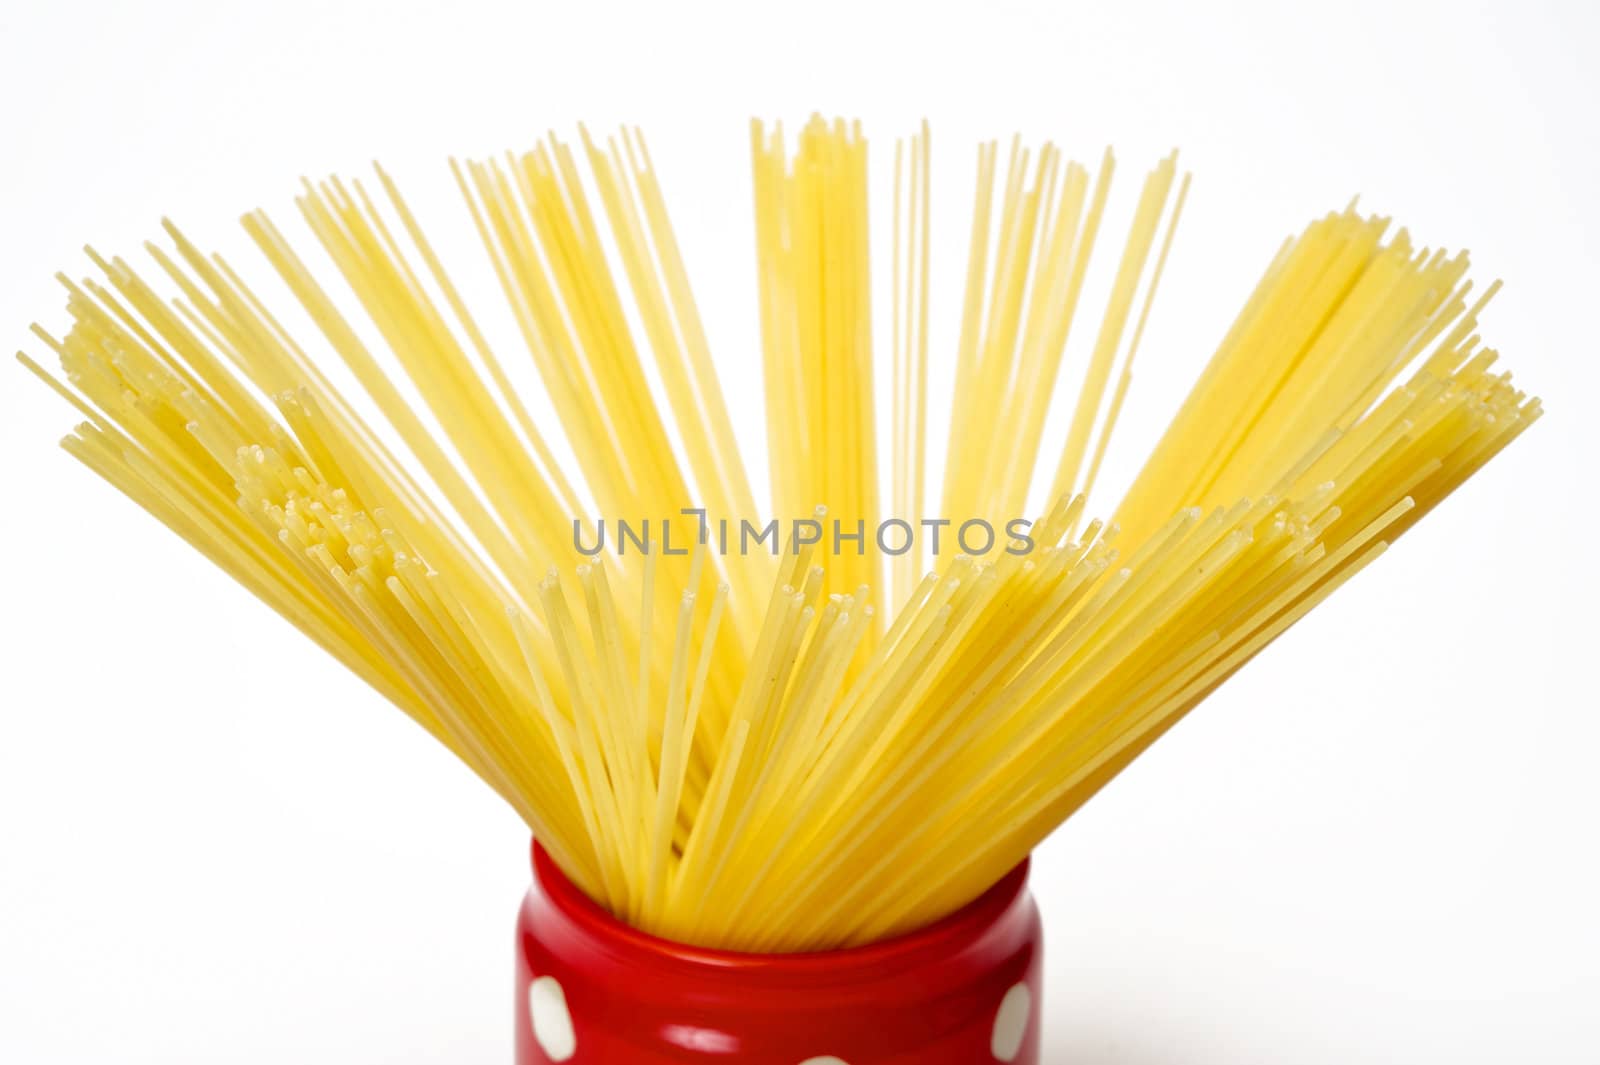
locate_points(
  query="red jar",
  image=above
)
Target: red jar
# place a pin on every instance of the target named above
(592, 991)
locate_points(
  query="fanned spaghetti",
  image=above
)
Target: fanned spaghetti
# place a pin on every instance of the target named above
(820, 746)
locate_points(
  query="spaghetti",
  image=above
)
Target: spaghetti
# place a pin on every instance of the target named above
(809, 749)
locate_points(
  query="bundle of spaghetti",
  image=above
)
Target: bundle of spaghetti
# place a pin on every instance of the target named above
(816, 746)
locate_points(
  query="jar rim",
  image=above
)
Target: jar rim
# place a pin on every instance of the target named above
(942, 938)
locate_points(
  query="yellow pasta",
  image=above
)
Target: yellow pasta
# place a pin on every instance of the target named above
(826, 744)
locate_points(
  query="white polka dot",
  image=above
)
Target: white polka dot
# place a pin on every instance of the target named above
(1011, 1023)
(827, 1060)
(552, 1023)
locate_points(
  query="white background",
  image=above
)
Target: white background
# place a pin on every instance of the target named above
(1377, 843)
